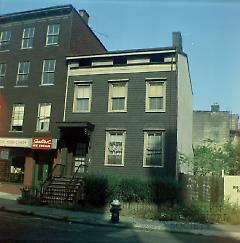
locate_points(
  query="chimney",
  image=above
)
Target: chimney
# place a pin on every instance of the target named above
(215, 107)
(177, 41)
(85, 16)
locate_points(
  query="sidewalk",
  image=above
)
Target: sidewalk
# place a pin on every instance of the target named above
(8, 203)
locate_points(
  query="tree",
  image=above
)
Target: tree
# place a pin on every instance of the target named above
(210, 159)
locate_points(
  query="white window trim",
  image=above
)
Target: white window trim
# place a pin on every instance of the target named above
(19, 74)
(13, 114)
(90, 97)
(38, 117)
(106, 147)
(47, 84)
(145, 148)
(29, 38)
(48, 35)
(110, 88)
(148, 81)
(5, 41)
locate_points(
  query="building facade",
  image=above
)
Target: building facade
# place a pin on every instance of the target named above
(128, 112)
(33, 73)
(216, 125)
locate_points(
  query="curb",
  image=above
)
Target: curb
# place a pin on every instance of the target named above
(163, 227)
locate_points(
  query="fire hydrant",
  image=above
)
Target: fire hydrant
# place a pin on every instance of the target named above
(115, 209)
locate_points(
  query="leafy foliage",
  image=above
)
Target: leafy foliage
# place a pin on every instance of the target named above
(211, 158)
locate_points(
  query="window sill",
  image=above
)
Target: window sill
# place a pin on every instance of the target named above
(21, 86)
(120, 111)
(112, 165)
(42, 131)
(27, 48)
(155, 111)
(43, 85)
(16, 131)
(1, 87)
(50, 45)
(153, 166)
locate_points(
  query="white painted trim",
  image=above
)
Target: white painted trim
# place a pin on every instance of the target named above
(123, 69)
(140, 52)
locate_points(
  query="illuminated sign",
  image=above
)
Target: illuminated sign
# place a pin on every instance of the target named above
(42, 143)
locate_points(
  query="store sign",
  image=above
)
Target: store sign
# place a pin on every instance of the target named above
(15, 142)
(42, 143)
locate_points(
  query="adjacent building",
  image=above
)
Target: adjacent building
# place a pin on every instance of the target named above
(128, 112)
(33, 74)
(219, 126)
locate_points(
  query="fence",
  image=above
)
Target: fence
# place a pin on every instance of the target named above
(201, 188)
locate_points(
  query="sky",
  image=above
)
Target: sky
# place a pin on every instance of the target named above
(210, 32)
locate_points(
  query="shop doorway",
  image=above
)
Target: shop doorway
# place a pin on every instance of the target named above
(42, 168)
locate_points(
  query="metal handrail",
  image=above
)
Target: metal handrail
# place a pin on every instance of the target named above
(72, 181)
(50, 177)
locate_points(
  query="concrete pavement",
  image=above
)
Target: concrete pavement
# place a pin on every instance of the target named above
(8, 202)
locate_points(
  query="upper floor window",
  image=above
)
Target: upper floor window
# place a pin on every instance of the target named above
(48, 72)
(52, 34)
(3, 67)
(5, 37)
(115, 147)
(155, 96)
(117, 97)
(23, 73)
(82, 98)
(17, 117)
(27, 38)
(153, 148)
(43, 119)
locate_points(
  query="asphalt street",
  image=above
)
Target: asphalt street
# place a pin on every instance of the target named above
(14, 228)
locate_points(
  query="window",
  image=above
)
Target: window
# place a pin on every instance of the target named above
(117, 97)
(23, 73)
(27, 38)
(155, 96)
(153, 148)
(3, 68)
(48, 72)
(52, 34)
(43, 119)
(115, 147)
(82, 98)
(5, 38)
(17, 117)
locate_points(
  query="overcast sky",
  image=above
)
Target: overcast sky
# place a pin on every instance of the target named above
(210, 31)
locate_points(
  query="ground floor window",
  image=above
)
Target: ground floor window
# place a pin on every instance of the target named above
(153, 148)
(115, 147)
(11, 165)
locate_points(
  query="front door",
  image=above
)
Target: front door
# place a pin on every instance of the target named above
(80, 158)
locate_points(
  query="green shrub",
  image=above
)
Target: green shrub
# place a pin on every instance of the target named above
(102, 189)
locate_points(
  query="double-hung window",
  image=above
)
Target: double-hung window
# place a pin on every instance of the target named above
(115, 148)
(17, 117)
(52, 34)
(82, 97)
(48, 72)
(43, 119)
(153, 148)
(117, 96)
(3, 67)
(5, 38)
(27, 38)
(23, 73)
(155, 96)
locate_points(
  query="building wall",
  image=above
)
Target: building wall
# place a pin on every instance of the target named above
(135, 120)
(184, 115)
(211, 125)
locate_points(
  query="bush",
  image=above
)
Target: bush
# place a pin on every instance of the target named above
(102, 189)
